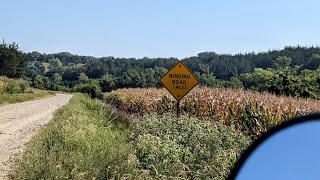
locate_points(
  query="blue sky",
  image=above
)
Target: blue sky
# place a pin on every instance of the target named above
(166, 28)
(290, 154)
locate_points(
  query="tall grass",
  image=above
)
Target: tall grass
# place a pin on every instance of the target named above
(79, 143)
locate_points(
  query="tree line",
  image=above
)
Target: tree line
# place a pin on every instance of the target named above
(291, 71)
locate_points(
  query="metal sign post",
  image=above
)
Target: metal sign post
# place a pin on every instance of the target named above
(178, 110)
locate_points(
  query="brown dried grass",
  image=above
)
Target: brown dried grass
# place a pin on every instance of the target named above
(248, 111)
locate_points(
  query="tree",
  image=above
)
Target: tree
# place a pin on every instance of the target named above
(83, 77)
(32, 72)
(40, 67)
(12, 60)
(205, 68)
(55, 63)
(281, 62)
(35, 56)
(56, 82)
(108, 83)
(257, 79)
(314, 62)
(38, 82)
(91, 87)
(71, 74)
(234, 82)
(208, 80)
(310, 83)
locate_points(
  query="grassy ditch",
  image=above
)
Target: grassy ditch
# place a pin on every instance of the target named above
(79, 143)
(84, 142)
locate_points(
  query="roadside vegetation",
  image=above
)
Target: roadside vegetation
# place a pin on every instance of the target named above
(86, 141)
(80, 142)
(14, 91)
(186, 148)
(250, 112)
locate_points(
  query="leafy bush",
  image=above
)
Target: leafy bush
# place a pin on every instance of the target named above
(186, 147)
(16, 86)
(11, 87)
(92, 88)
(234, 82)
(23, 85)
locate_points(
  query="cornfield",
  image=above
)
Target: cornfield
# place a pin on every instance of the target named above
(248, 111)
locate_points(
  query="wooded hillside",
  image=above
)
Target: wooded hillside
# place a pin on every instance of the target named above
(291, 71)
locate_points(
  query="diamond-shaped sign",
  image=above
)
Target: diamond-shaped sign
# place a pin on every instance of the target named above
(179, 80)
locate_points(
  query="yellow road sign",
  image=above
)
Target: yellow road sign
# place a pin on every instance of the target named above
(179, 80)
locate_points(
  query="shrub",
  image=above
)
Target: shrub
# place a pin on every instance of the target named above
(16, 86)
(11, 88)
(91, 88)
(23, 85)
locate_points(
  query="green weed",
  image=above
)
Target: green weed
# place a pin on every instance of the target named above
(78, 144)
(186, 147)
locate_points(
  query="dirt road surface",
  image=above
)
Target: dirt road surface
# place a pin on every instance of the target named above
(19, 122)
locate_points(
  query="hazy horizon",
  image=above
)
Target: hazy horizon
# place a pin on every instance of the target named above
(245, 52)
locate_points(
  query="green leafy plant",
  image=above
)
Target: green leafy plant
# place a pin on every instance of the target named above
(186, 147)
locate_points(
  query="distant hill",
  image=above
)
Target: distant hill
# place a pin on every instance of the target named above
(223, 66)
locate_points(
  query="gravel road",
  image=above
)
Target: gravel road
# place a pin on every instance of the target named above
(19, 122)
